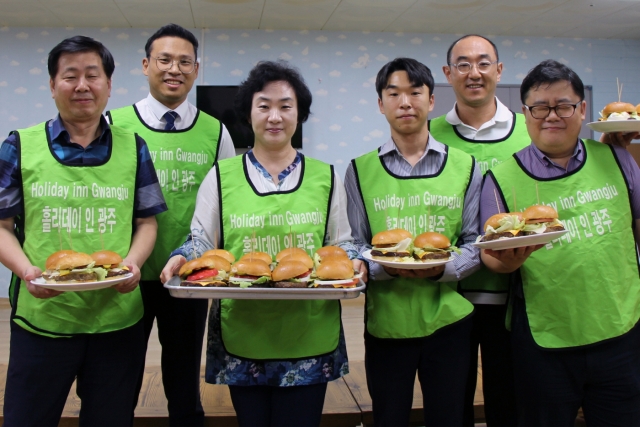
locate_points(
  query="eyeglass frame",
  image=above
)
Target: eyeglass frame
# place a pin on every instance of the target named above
(575, 107)
(473, 64)
(174, 61)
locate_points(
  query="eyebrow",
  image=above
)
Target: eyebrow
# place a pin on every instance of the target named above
(264, 98)
(90, 67)
(185, 56)
(396, 87)
(482, 56)
(558, 101)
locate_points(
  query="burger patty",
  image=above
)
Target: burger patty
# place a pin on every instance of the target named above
(391, 254)
(263, 285)
(496, 236)
(435, 255)
(78, 277)
(285, 284)
(112, 273)
(216, 284)
(554, 228)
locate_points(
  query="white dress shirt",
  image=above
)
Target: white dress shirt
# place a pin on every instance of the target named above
(496, 128)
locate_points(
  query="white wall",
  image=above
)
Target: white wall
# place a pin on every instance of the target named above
(339, 67)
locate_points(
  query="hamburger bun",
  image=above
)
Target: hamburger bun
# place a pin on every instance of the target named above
(327, 251)
(221, 253)
(638, 109)
(299, 257)
(73, 260)
(618, 107)
(334, 269)
(431, 239)
(390, 237)
(248, 267)
(287, 270)
(290, 251)
(494, 221)
(54, 258)
(106, 258)
(195, 265)
(262, 256)
(539, 213)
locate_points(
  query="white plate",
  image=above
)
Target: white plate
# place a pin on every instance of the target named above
(519, 242)
(260, 293)
(615, 126)
(81, 286)
(417, 265)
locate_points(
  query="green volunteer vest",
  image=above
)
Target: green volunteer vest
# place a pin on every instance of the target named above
(488, 154)
(80, 201)
(182, 159)
(412, 308)
(276, 329)
(585, 287)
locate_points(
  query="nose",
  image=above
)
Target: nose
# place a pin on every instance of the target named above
(174, 69)
(474, 73)
(83, 85)
(274, 115)
(404, 100)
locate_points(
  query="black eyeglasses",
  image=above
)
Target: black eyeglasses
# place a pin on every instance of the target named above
(562, 110)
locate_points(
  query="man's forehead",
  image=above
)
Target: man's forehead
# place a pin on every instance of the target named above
(472, 47)
(560, 90)
(79, 60)
(169, 44)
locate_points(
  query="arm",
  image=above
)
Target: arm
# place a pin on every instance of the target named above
(227, 148)
(144, 237)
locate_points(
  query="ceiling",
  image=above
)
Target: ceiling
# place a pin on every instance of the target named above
(559, 18)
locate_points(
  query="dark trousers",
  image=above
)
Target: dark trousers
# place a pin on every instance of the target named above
(262, 406)
(181, 325)
(489, 332)
(442, 361)
(42, 369)
(603, 379)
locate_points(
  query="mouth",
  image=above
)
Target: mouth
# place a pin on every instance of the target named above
(274, 130)
(83, 100)
(475, 86)
(173, 82)
(406, 117)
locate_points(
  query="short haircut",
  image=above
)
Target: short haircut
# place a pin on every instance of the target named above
(419, 74)
(172, 30)
(549, 72)
(80, 44)
(495, 49)
(266, 72)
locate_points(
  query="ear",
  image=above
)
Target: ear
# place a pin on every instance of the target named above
(432, 102)
(499, 71)
(145, 66)
(109, 86)
(380, 105)
(52, 87)
(195, 73)
(583, 113)
(447, 72)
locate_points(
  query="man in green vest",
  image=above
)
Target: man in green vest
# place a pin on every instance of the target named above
(577, 299)
(184, 143)
(415, 320)
(77, 182)
(480, 125)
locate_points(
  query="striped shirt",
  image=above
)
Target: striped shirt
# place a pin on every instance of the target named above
(148, 201)
(540, 166)
(430, 162)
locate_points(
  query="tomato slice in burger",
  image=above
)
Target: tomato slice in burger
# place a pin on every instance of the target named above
(203, 274)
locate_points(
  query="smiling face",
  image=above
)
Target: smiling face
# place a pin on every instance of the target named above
(274, 115)
(81, 88)
(170, 87)
(474, 89)
(554, 136)
(405, 106)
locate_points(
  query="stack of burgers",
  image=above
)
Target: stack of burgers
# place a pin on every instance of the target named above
(398, 245)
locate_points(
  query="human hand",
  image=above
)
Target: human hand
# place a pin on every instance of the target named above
(131, 283)
(361, 267)
(621, 139)
(511, 259)
(37, 291)
(172, 267)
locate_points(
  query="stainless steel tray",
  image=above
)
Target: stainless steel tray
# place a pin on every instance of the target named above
(178, 291)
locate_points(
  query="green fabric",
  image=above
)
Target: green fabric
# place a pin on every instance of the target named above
(273, 329)
(92, 205)
(182, 159)
(411, 308)
(488, 154)
(583, 288)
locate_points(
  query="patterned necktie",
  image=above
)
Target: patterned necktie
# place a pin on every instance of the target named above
(170, 117)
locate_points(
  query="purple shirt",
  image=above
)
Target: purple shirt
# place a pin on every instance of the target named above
(540, 166)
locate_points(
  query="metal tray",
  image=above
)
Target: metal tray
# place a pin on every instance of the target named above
(178, 291)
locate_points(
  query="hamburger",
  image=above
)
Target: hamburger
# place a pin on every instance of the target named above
(110, 261)
(503, 226)
(392, 245)
(290, 251)
(432, 246)
(250, 272)
(336, 272)
(221, 253)
(541, 219)
(72, 268)
(326, 251)
(291, 274)
(263, 256)
(209, 270)
(617, 111)
(300, 257)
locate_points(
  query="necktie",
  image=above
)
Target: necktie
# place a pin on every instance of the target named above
(170, 117)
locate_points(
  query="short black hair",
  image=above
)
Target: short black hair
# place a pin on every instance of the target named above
(172, 30)
(80, 44)
(549, 72)
(264, 73)
(419, 74)
(495, 49)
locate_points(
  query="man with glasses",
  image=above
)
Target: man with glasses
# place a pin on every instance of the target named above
(577, 299)
(176, 132)
(480, 125)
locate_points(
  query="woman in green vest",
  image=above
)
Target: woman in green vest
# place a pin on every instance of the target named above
(276, 356)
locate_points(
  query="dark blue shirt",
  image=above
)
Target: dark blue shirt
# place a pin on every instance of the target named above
(149, 199)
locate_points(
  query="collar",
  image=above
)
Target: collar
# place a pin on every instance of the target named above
(282, 175)
(432, 145)
(503, 114)
(57, 131)
(159, 109)
(543, 158)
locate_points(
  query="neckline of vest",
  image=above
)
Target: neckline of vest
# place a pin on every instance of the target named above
(195, 120)
(564, 175)
(59, 160)
(488, 141)
(437, 173)
(293, 190)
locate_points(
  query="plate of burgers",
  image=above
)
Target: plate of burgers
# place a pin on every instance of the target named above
(68, 270)
(537, 225)
(618, 117)
(397, 248)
